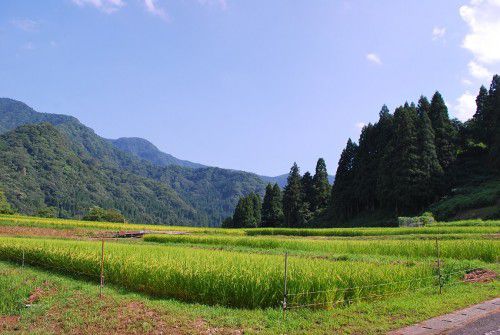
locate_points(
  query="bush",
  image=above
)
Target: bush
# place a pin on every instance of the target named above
(5, 207)
(47, 212)
(416, 221)
(108, 215)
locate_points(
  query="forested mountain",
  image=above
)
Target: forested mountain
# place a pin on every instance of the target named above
(211, 193)
(148, 151)
(39, 169)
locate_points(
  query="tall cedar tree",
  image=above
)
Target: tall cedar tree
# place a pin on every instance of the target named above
(321, 186)
(405, 159)
(342, 196)
(431, 170)
(272, 207)
(365, 169)
(244, 213)
(293, 203)
(308, 191)
(443, 130)
(257, 208)
(494, 98)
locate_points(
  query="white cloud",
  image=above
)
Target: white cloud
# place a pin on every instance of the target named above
(221, 3)
(153, 8)
(107, 6)
(465, 107)
(360, 125)
(25, 24)
(374, 58)
(28, 46)
(478, 71)
(466, 81)
(483, 19)
(438, 32)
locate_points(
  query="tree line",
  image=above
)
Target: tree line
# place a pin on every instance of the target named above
(400, 165)
(303, 198)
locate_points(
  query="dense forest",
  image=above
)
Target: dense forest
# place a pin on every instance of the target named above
(54, 165)
(408, 162)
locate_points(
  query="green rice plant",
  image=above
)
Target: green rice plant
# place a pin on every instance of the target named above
(467, 223)
(438, 230)
(214, 277)
(32, 221)
(485, 250)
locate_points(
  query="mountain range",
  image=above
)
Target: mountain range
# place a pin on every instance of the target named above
(54, 161)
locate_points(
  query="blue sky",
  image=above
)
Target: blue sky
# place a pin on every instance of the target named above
(250, 85)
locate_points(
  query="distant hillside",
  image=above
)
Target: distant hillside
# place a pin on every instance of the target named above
(40, 169)
(213, 194)
(148, 151)
(282, 179)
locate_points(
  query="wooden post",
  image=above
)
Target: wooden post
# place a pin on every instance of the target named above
(102, 269)
(23, 259)
(439, 266)
(285, 292)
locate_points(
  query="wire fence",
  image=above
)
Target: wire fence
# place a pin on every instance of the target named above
(328, 298)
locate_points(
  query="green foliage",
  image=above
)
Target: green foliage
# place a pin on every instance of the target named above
(5, 207)
(294, 208)
(272, 207)
(213, 277)
(247, 212)
(47, 212)
(104, 215)
(321, 186)
(72, 169)
(470, 197)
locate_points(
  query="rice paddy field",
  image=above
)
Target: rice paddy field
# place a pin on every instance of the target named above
(236, 279)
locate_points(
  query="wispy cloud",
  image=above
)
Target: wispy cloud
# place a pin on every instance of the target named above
(28, 46)
(438, 33)
(154, 9)
(25, 24)
(483, 19)
(479, 71)
(106, 6)
(465, 106)
(360, 125)
(374, 58)
(221, 3)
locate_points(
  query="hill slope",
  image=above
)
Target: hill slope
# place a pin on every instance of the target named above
(40, 169)
(213, 197)
(148, 151)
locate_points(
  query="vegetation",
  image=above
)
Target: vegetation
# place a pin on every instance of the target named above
(485, 250)
(106, 215)
(5, 207)
(69, 167)
(216, 277)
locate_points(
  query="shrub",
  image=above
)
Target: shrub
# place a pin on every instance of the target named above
(108, 215)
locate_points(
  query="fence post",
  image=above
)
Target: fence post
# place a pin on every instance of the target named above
(439, 267)
(285, 292)
(23, 259)
(102, 269)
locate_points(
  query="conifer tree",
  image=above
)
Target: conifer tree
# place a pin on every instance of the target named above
(308, 191)
(342, 197)
(405, 160)
(293, 199)
(321, 186)
(431, 172)
(244, 213)
(443, 131)
(272, 208)
(257, 208)
(494, 111)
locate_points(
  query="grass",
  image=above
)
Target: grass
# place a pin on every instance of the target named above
(470, 197)
(73, 306)
(213, 277)
(352, 232)
(484, 250)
